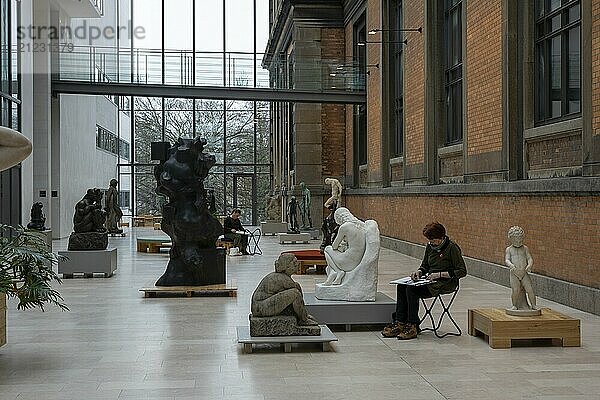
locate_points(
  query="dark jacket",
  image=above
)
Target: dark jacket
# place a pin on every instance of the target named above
(446, 259)
(230, 224)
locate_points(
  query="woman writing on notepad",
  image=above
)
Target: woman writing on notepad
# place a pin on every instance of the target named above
(443, 265)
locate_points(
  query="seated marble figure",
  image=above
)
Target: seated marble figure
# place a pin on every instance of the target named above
(278, 304)
(352, 260)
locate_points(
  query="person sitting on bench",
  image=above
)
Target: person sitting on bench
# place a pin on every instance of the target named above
(231, 225)
(442, 263)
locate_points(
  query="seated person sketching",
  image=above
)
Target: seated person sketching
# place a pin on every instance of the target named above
(443, 263)
(231, 225)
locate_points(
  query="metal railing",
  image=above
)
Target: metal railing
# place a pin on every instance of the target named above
(216, 69)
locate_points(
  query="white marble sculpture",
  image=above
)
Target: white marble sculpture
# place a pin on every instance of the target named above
(14, 148)
(336, 192)
(352, 260)
(519, 261)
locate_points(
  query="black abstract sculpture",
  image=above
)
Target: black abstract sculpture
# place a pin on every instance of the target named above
(38, 219)
(329, 227)
(88, 223)
(186, 218)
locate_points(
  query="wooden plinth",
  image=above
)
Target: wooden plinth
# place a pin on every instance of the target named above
(499, 329)
(190, 291)
(306, 264)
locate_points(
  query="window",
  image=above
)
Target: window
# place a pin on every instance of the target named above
(124, 198)
(397, 81)
(453, 39)
(558, 55)
(110, 142)
(360, 111)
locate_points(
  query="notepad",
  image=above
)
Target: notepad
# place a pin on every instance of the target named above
(408, 281)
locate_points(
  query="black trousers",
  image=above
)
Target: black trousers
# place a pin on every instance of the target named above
(407, 303)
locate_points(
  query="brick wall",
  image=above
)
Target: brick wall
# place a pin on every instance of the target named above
(397, 172)
(562, 233)
(484, 76)
(554, 153)
(333, 116)
(374, 95)
(596, 67)
(349, 108)
(414, 85)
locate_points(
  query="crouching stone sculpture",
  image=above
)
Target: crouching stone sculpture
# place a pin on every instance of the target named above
(278, 305)
(352, 260)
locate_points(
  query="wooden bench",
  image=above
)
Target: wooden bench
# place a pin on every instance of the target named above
(500, 329)
(153, 244)
(224, 244)
(309, 258)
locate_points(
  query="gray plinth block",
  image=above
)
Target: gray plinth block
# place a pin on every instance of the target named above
(243, 334)
(294, 237)
(272, 228)
(280, 325)
(88, 262)
(351, 313)
(314, 233)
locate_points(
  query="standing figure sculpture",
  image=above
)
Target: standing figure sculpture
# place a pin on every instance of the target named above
(14, 148)
(336, 192)
(88, 223)
(194, 259)
(212, 202)
(305, 207)
(293, 215)
(113, 211)
(38, 219)
(329, 227)
(519, 261)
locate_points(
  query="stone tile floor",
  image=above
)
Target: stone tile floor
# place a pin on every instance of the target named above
(116, 344)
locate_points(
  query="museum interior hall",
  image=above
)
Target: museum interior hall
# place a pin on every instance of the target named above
(299, 199)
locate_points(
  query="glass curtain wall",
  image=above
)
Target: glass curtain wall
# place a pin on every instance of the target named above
(10, 106)
(197, 43)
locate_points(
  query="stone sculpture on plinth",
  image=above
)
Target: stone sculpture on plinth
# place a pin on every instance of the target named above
(519, 261)
(88, 223)
(336, 192)
(38, 219)
(352, 260)
(113, 211)
(273, 208)
(305, 207)
(186, 218)
(278, 304)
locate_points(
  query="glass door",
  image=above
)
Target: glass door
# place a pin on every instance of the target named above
(244, 197)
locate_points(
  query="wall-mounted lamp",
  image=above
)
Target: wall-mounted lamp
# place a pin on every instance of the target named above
(405, 41)
(374, 31)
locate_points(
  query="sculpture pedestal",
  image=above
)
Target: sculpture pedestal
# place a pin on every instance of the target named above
(243, 335)
(314, 233)
(209, 269)
(46, 236)
(351, 313)
(499, 329)
(294, 238)
(272, 228)
(88, 263)
(280, 325)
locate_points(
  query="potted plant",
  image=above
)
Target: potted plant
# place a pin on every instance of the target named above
(26, 272)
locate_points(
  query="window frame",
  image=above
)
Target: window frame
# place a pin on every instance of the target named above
(543, 36)
(453, 72)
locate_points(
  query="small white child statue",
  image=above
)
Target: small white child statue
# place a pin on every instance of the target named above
(519, 260)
